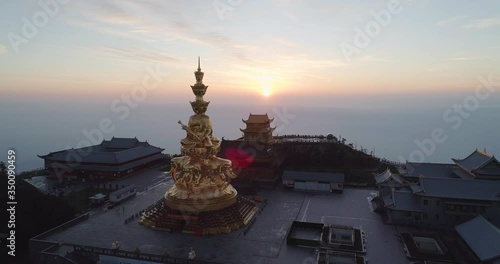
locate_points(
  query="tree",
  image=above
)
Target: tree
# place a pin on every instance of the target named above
(3, 169)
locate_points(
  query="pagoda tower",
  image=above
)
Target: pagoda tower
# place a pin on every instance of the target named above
(258, 128)
(202, 200)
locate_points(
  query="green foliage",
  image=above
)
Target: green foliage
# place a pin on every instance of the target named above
(32, 173)
(3, 169)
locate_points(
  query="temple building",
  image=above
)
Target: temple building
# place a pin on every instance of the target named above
(258, 128)
(254, 156)
(478, 165)
(111, 159)
(442, 194)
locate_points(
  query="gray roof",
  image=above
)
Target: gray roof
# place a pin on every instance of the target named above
(313, 176)
(460, 189)
(416, 188)
(115, 151)
(482, 237)
(434, 170)
(258, 118)
(387, 178)
(404, 201)
(387, 199)
(490, 168)
(98, 196)
(104, 167)
(121, 143)
(475, 160)
(462, 173)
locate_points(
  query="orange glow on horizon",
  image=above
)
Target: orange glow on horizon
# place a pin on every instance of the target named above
(265, 85)
(266, 91)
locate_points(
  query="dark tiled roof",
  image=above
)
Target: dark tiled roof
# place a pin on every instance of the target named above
(482, 237)
(258, 118)
(428, 170)
(105, 167)
(404, 201)
(462, 173)
(136, 152)
(121, 143)
(460, 189)
(475, 160)
(313, 176)
(115, 151)
(415, 188)
(257, 130)
(387, 176)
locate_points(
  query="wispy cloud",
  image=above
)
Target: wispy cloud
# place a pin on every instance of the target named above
(3, 49)
(282, 67)
(136, 54)
(450, 20)
(156, 21)
(484, 23)
(368, 58)
(468, 58)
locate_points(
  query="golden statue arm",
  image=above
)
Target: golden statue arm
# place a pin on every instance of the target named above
(188, 130)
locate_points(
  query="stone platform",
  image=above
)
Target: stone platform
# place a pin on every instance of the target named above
(165, 218)
(202, 203)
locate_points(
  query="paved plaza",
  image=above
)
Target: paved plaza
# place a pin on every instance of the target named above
(265, 242)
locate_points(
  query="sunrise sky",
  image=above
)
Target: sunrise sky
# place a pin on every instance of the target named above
(252, 49)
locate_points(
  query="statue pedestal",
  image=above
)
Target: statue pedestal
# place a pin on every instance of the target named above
(219, 215)
(201, 203)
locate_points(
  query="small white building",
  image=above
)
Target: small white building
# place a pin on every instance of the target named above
(122, 194)
(97, 199)
(313, 181)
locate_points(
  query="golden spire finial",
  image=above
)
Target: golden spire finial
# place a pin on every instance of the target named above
(199, 74)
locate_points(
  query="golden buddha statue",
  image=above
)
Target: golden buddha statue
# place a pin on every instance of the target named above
(200, 174)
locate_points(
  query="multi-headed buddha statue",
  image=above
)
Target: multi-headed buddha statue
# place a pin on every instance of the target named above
(200, 174)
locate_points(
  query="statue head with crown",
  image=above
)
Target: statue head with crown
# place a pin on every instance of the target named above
(199, 107)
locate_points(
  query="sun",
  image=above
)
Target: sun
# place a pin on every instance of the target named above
(266, 91)
(265, 85)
